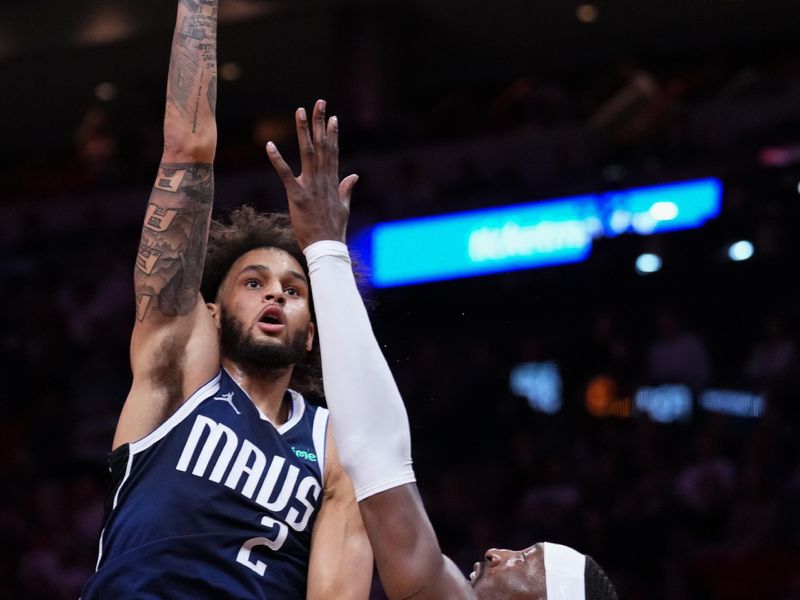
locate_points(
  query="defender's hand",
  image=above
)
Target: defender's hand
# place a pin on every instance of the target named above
(319, 204)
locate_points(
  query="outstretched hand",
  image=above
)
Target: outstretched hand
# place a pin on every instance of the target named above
(319, 204)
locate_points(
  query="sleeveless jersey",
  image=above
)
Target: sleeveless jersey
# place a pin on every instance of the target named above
(215, 503)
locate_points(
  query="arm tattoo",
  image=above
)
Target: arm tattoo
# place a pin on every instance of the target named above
(212, 94)
(191, 5)
(193, 63)
(142, 303)
(169, 264)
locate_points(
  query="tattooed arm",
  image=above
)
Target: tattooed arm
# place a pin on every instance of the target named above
(173, 347)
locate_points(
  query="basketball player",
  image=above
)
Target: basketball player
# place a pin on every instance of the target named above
(370, 421)
(227, 483)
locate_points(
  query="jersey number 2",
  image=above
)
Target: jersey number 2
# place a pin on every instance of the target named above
(244, 552)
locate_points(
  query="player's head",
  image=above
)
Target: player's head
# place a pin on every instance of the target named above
(256, 282)
(543, 571)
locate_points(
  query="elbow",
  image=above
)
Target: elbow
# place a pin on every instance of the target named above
(189, 147)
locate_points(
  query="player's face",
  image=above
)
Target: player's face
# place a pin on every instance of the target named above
(264, 316)
(511, 575)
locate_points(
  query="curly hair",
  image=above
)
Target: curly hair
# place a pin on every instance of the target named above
(598, 585)
(249, 230)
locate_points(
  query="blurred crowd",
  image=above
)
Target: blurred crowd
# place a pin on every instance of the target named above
(706, 507)
(659, 114)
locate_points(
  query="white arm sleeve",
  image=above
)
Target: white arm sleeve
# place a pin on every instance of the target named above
(369, 421)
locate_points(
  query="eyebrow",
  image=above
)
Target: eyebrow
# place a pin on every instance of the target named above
(265, 269)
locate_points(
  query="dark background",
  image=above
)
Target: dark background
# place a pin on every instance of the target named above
(443, 106)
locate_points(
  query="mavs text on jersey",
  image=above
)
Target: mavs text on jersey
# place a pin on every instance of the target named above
(215, 503)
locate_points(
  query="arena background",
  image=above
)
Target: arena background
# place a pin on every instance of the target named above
(444, 106)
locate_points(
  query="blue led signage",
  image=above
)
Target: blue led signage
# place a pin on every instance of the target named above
(525, 236)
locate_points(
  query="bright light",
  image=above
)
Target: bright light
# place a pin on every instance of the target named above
(665, 403)
(644, 223)
(648, 263)
(664, 211)
(105, 91)
(741, 250)
(733, 402)
(512, 240)
(526, 236)
(620, 221)
(587, 13)
(540, 383)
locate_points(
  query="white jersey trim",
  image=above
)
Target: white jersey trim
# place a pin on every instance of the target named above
(114, 505)
(296, 413)
(154, 436)
(296, 409)
(173, 421)
(319, 435)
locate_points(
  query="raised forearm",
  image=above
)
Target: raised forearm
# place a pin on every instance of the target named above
(369, 419)
(190, 131)
(169, 264)
(371, 427)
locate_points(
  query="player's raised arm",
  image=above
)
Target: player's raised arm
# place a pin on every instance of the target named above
(169, 263)
(170, 260)
(368, 417)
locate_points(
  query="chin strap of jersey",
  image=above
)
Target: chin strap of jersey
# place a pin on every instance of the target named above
(564, 570)
(369, 421)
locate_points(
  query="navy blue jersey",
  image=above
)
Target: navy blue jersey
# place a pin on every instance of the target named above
(215, 503)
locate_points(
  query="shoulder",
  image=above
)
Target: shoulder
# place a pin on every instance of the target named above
(169, 364)
(310, 418)
(141, 427)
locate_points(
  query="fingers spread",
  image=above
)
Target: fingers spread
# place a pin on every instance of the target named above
(346, 189)
(320, 134)
(304, 141)
(284, 171)
(333, 149)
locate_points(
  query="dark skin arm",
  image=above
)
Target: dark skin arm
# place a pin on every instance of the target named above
(407, 553)
(172, 325)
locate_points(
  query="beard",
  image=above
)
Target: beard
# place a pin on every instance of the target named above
(268, 355)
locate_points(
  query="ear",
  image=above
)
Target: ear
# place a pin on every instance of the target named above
(310, 338)
(215, 310)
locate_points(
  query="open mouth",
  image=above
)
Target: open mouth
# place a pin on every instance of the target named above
(272, 315)
(476, 574)
(271, 320)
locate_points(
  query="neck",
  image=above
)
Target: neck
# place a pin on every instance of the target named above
(266, 388)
